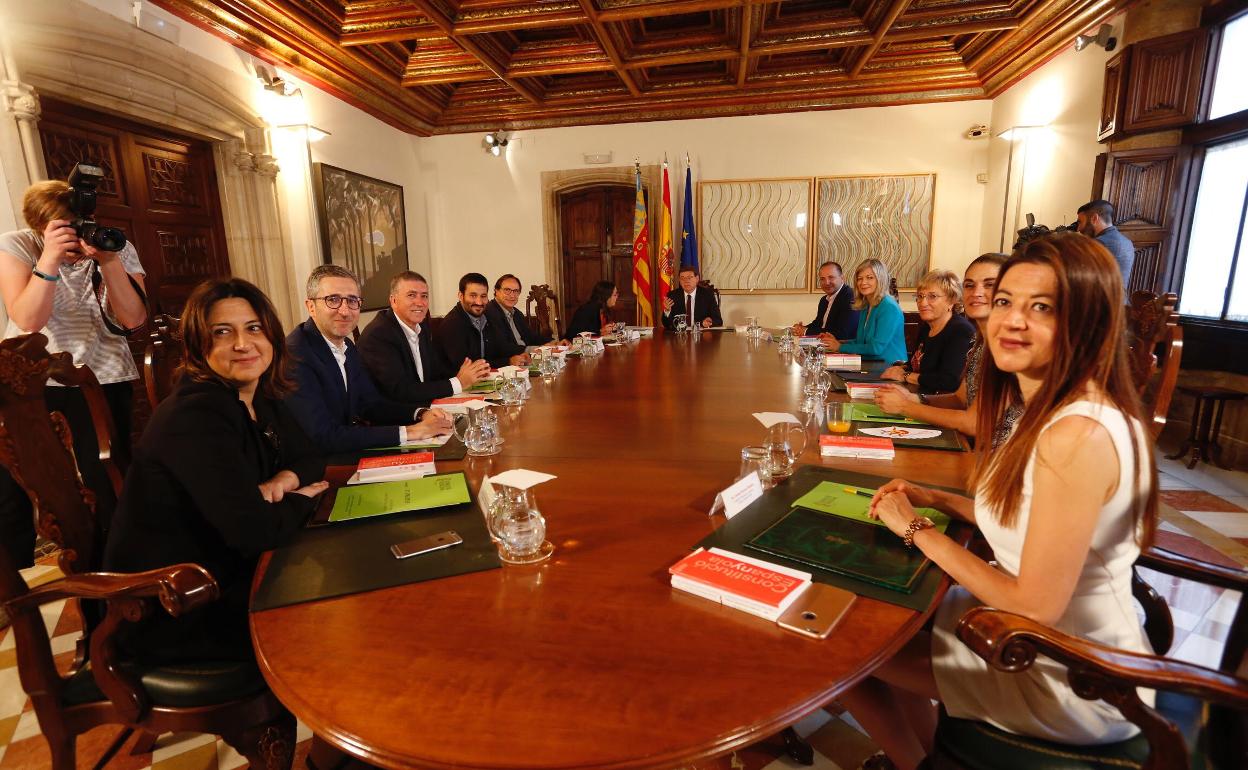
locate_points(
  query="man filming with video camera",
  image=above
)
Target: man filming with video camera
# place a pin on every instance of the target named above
(81, 285)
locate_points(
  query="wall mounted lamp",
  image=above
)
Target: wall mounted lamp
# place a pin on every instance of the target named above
(495, 143)
(1103, 37)
(314, 134)
(1015, 135)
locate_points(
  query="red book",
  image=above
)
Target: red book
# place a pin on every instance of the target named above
(742, 582)
(394, 465)
(856, 446)
(454, 400)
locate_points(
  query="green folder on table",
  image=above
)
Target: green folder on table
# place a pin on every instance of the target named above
(829, 528)
(872, 413)
(365, 500)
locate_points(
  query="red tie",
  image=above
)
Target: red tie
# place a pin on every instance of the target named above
(689, 309)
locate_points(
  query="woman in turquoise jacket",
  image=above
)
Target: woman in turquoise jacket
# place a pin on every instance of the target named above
(881, 325)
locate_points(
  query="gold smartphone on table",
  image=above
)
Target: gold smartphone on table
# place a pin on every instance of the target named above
(817, 611)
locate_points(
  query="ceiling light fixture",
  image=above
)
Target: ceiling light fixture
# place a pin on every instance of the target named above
(495, 143)
(1103, 37)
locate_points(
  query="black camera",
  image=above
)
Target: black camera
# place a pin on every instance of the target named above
(83, 182)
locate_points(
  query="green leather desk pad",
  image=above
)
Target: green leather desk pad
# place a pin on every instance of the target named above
(776, 503)
(353, 557)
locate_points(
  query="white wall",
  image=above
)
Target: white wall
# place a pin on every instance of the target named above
(485, 213)
(1064, 96)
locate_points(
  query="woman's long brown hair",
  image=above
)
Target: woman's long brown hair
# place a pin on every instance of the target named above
(1089, 347)
(197, 334)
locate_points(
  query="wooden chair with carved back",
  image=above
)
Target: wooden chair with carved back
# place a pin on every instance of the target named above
(543, 305)
(1156, 352)
(161, 357)
(223, 698)
(1173, 735)
(705, 284)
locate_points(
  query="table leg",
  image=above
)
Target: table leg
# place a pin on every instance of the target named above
(322, 756)
(797, 748)
(1191, 434)
(1201, 451)
(1215, 449)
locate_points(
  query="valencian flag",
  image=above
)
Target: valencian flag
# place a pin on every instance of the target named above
(665, 239)
(689, 235)
(641, 258)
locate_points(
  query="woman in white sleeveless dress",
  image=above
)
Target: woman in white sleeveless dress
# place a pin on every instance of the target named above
(1066, 502)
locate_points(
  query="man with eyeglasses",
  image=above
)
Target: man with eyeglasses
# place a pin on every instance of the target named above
(502, 314)
(399, 355)
(336, 401)
(467, 333)
(836, 315)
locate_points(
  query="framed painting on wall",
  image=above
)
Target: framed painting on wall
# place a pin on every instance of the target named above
(755, 235)
(886, 217)
(363, 228)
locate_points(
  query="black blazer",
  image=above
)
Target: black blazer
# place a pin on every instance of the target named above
(388, 358)
(332, 414)
(704, 306)
(458, 339)
(498, 321)
(587, 318)
(192, 495)
(842, 321)
(941, 360)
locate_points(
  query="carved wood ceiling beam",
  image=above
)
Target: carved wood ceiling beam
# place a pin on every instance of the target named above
(483, 21)
(743, 64)
(1045, 41)
(890, 16)
(622, 11)
(1036, 13)
(447, 25)
(608, 46)
(275, 37)
(709, 54)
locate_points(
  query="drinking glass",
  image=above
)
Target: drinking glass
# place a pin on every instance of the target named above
(512, 392)
(839, 416)
(754, 458)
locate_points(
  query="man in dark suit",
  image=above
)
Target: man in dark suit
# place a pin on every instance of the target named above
(836, 314)
(466, 332)
(397, 352)
(697, 304)
(335, 394)
(508, 321)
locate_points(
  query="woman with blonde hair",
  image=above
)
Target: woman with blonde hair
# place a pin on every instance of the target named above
(85, 301)
(944, 339)
(881, 325)
(1066, 503)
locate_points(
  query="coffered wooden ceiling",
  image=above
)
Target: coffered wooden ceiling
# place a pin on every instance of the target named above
(450, 66)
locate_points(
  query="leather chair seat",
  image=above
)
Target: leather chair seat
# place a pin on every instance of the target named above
(980, 746)
(182, 685)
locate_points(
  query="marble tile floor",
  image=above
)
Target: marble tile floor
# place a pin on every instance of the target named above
(1213, 506)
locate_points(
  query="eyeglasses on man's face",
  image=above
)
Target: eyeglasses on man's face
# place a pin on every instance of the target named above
(334, 301)
(510, 292)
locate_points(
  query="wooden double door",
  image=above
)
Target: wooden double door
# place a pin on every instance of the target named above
(160, 188)
(596, 224)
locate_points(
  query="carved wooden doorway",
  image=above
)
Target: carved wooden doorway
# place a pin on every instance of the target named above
(596, 229)
(159, 187)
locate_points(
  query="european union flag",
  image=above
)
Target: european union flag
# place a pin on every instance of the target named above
(688, 233)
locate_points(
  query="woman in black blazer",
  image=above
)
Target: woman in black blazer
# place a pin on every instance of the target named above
(595, 315)
(223, 473)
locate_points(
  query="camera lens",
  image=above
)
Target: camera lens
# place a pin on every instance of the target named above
(102, 238)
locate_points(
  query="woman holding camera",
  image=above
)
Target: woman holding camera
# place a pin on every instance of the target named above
(84, 301)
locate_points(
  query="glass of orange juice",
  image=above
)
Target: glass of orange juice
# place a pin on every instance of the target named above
(838, 416)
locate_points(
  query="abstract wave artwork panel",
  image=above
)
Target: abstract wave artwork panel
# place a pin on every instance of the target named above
(886, 217)
(363, 228)
(755, 234)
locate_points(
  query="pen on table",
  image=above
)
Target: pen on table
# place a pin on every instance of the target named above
(862, 492)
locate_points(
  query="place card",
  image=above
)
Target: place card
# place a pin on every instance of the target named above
(738, 495)
(769, 419)
(521, 478)
(459, 404)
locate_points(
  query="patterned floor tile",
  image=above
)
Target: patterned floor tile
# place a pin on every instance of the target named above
(7, 726)
(202, 757)
(1229, 523)
(842, 744)
(1197, 500)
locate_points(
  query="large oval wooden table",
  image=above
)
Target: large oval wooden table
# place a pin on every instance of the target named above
(591, 660)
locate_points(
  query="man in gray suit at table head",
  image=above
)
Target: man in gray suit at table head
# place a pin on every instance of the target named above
(1096, 220)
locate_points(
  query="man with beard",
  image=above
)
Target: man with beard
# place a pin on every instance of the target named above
(467, 333)
(1096, 220)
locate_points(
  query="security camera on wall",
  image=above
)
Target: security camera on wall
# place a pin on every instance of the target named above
(977, 132)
